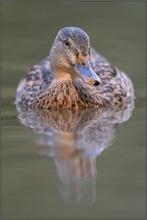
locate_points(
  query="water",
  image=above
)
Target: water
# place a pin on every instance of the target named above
(44, 177)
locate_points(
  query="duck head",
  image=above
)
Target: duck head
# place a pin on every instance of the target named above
(70, 56)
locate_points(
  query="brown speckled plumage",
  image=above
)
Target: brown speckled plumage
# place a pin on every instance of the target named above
(55, 82)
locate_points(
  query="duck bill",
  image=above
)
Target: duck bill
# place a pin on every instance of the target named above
(87, 74)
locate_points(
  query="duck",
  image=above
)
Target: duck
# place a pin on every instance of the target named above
(74, 76)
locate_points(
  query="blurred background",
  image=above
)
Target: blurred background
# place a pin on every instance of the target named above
(117, 31)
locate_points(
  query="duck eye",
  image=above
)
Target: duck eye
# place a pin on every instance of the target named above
(66, 43)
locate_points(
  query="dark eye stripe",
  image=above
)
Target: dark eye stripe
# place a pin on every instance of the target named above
(77, 53)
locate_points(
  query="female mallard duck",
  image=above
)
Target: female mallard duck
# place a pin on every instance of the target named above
(73, 76)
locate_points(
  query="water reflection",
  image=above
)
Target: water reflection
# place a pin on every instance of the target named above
(74, 138)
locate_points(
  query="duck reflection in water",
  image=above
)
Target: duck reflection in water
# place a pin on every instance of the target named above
(74, 138)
